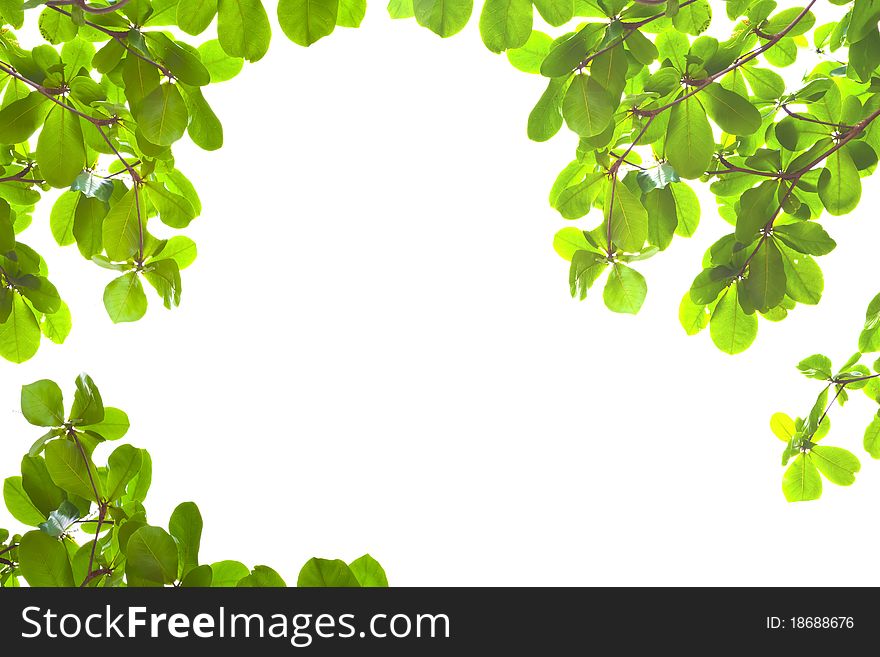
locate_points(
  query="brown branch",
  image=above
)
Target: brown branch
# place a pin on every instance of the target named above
(120, 37)
(765, 230)
(733, 168)
(699, 85)
(630, 28)
(95, 574)
(610, 245)
(809, 119)
(51, 95)
(20, 176)
(795, 176)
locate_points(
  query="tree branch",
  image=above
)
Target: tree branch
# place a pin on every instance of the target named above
(699, 85)
(121, 38)
(630, 28)
(51, 95)
(809, 119)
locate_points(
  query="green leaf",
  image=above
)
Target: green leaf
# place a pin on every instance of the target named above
(505, 24)
(38, 484)
(586, 268)
(184, 63)
(625, 290)
(140, 79)
(693, 317)
(164, 276)
(228, 573)
(555, 12)
(733, 113)
(368, 572)
(838, 465)
(42, 403)
(61, 219)
(326, 573)
(693, 18)
(40, 292)
(840, 187)
(567, 54)
(174, 210)
(44, 561)
(21, 118)
(194, 16)
(19, 504)
(199, 577)
(609, 69)
(687, 209)
(7, 228)
(186, 528)
(662, 217)
(806, 237)
(546, 117)
(60, 520)
(782, 426)
(709, 283)
(351, 13)
(801, 481)
(804, 282)
(56, 326)
(92, 186)
(690, 143)
(576, 201)
(162, 116)
(13, 12)
(587, 107)
(872, 437)
(306, 21)
(243, 28)
(221, 66)
(140, 485)
(628, 218)
(400, 8)
(88, 407)
(756, 208)
(124, 299)
(443, 17)
(20, 333)
(766, 84)
(151, 556)
(569, 241)
(765, 285)
(529, 57)
(122, 226)
(262, 577)
(88, 226)
(732, 330)
(61, 152)
(658, 177)
(122, 466)
(180, 249)
(863, 20)
(69, 470)
(816, 366)
(114, 425)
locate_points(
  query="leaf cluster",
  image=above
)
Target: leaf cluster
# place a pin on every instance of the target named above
(90, 522)
(803, 457)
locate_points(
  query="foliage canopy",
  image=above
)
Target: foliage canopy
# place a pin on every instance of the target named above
(656, 102)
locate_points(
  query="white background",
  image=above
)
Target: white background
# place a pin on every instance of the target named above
(377, 351)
